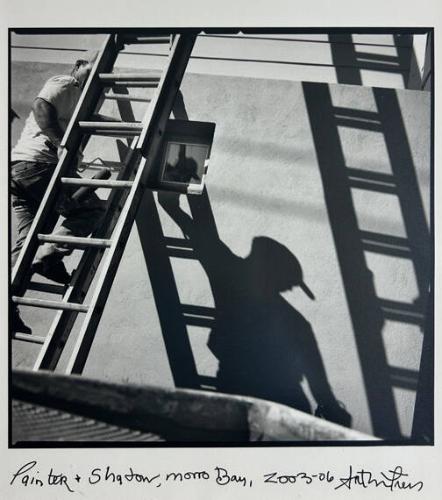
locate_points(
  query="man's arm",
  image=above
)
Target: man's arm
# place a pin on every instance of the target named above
(314, 370)
(46, 118)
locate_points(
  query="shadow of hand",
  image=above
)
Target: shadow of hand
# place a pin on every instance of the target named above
(334, 412)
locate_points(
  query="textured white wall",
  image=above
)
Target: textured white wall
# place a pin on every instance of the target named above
(288, 57)
(264, 180)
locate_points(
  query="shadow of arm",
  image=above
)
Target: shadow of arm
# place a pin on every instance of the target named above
(328, 407)
(200, 229)
(170, 202)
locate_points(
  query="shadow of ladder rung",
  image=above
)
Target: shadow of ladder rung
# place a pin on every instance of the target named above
(356, 60)
(379, 62)
(179, 248)
(367, 317)
(158, 250)
(199, 316)
(193, 315)
(203, 317)
(379, 242)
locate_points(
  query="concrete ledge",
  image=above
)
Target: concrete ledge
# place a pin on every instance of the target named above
(178, 415)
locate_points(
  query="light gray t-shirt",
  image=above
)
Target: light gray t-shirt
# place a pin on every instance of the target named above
(62, 92)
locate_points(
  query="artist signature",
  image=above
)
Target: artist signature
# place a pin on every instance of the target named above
(393, 479)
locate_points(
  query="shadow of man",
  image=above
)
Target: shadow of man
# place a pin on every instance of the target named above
(263, 345)
(184, 170)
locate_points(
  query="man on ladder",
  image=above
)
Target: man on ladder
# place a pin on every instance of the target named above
(34, 159)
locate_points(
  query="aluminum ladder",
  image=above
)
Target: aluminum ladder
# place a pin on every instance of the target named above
(126, 193)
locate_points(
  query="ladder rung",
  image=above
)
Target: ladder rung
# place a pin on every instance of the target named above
(112, 125)
(46, 287)
(50, 304)
(132, 83)
(74, 241)
(132, 77)
(93, 165)
(125, 97)
(148, 80)
(112, 128)
(133, 39)
(96, 182)
(26, 337)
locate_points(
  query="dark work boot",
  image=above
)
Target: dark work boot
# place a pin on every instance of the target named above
(53, 270)
(17, 324)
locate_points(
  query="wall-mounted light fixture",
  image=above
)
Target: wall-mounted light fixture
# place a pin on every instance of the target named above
(184, 157)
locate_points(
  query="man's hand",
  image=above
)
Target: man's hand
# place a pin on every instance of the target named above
(77, 161)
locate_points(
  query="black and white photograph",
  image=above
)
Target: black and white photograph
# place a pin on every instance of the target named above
(220, 254)
(290, 299)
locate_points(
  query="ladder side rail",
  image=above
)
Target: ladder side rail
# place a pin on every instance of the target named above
(92, 91)
(122, 231)
(155, 119)
(71, 141)
(149, 143)
(367, 319)
(64, 321)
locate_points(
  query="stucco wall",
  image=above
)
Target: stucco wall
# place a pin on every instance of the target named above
(382, 60)
(267, 179)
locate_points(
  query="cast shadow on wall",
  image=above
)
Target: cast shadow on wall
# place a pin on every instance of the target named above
(351, 58)
(371, 313)
(264, 346)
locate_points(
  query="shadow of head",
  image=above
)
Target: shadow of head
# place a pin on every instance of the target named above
(278, 268)
(185, 169)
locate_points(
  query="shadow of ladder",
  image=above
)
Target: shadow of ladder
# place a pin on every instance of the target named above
(158, 250)
(368, 311)
(349, 62)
